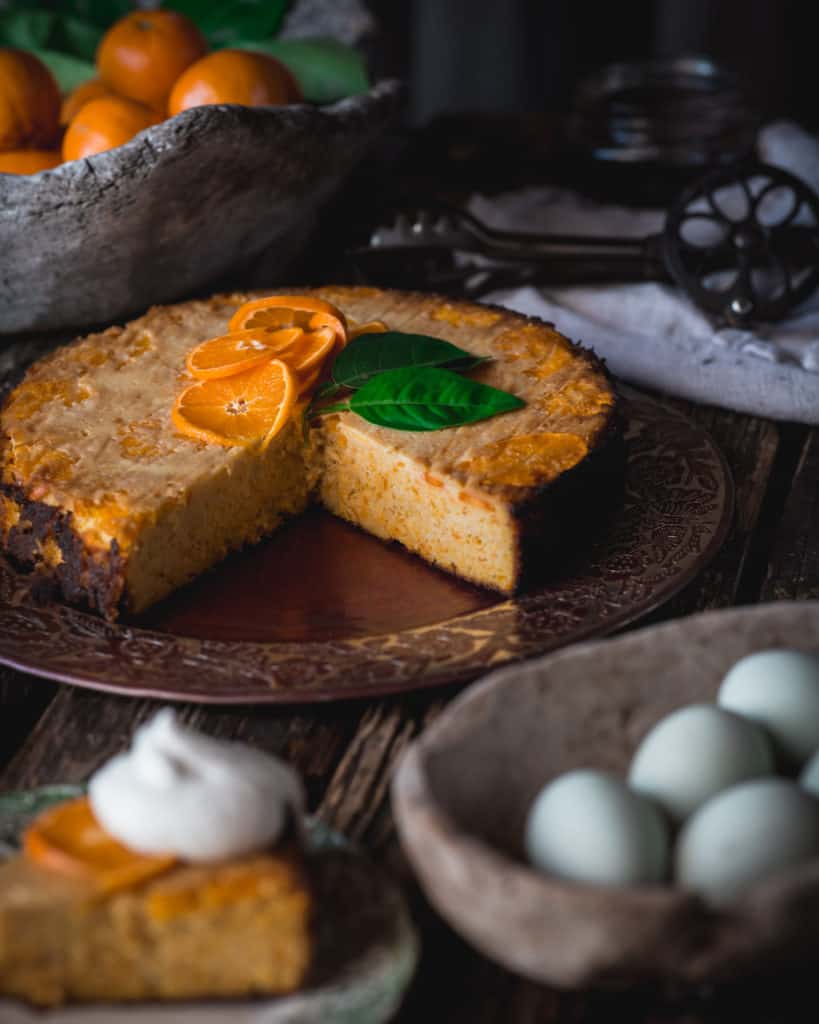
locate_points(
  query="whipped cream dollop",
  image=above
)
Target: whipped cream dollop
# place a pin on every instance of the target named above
(201, 799)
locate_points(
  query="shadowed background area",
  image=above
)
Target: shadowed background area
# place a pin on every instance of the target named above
(525, 55)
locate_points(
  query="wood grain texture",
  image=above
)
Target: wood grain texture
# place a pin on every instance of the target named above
(793, 568)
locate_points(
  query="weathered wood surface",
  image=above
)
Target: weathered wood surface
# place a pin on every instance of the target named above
(173, 210)
(347, 752)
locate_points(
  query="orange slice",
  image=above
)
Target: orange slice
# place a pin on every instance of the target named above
(238, 410)
(69, 839)
(240, 351)
(307, 381)
(371, 327)
(310, 350)
(305, 311)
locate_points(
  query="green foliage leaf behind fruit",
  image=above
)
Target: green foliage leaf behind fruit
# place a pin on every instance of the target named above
(326, 69)
(26, 29)
(33, 29)
(69, 71)
(228, 22)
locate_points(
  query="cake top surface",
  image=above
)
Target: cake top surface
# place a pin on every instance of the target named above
(89, 428)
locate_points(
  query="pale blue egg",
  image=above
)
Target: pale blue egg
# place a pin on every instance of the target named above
(744, 835)
(695, 752)
(779, 690)
(587, 826)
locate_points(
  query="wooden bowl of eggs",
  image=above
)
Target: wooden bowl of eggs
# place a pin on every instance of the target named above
(643, 809)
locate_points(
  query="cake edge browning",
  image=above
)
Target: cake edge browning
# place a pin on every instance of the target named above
(40, 539)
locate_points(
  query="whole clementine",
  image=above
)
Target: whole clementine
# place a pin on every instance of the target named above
(232, 76)
(90, 90)
(143, 54)
(28, 161)
(104, 123)
(29, 101)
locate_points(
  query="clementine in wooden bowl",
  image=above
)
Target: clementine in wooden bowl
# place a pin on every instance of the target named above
(104, 123)
(143, 54)
(28, 161)
(233, 76)
(29, 101)
(77, 98)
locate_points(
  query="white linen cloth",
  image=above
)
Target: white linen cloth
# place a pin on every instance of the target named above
(651, 334)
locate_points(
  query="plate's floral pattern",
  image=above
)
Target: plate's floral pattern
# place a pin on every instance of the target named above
(676, 511)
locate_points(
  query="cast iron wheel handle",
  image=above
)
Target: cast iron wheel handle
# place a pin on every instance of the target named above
(756, 264)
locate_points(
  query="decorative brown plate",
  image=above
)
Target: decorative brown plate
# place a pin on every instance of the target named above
(350, 616)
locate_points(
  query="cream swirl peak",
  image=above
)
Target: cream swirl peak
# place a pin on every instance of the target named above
(179, 792)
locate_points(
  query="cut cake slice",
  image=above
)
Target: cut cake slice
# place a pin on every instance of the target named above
(107, 501)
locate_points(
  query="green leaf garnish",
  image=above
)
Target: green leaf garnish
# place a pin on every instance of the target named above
(372, 354)
(425, 398)
(326, 69)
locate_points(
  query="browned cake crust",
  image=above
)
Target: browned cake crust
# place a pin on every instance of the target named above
(569, 394)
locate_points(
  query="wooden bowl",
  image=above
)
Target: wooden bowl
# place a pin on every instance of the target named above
(174, 209)
(462, 792)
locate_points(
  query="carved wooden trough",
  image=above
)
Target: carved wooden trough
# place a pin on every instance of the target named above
(174, 209)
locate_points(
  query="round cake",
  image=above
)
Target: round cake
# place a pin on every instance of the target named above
(108, 502)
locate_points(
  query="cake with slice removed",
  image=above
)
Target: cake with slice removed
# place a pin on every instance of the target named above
(103, 497)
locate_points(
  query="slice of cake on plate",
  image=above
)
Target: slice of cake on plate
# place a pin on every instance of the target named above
(107, 499)
(182, 877)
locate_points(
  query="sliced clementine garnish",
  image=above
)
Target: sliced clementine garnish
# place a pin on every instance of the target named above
(304, 311)
(238, 410)
(69, 839)
(310, 350)
(240, 351)
(371, 327)
(307, 381)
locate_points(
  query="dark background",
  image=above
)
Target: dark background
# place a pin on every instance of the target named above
(527, 55)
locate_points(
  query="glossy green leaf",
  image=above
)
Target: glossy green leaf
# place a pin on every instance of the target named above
(26, 29)
(426, 398)
(75, 36)
(232, 21)
(371, 354)
(101, 13)
(69, 71)
(326, 69)
(33, 29)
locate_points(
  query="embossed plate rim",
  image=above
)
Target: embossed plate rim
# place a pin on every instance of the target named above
(387, 663)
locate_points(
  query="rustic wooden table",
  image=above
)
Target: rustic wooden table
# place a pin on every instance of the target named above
(346, 752)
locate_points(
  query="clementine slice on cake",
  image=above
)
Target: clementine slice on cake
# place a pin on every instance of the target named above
(240, 409)
(69, 839)
(306, 311)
